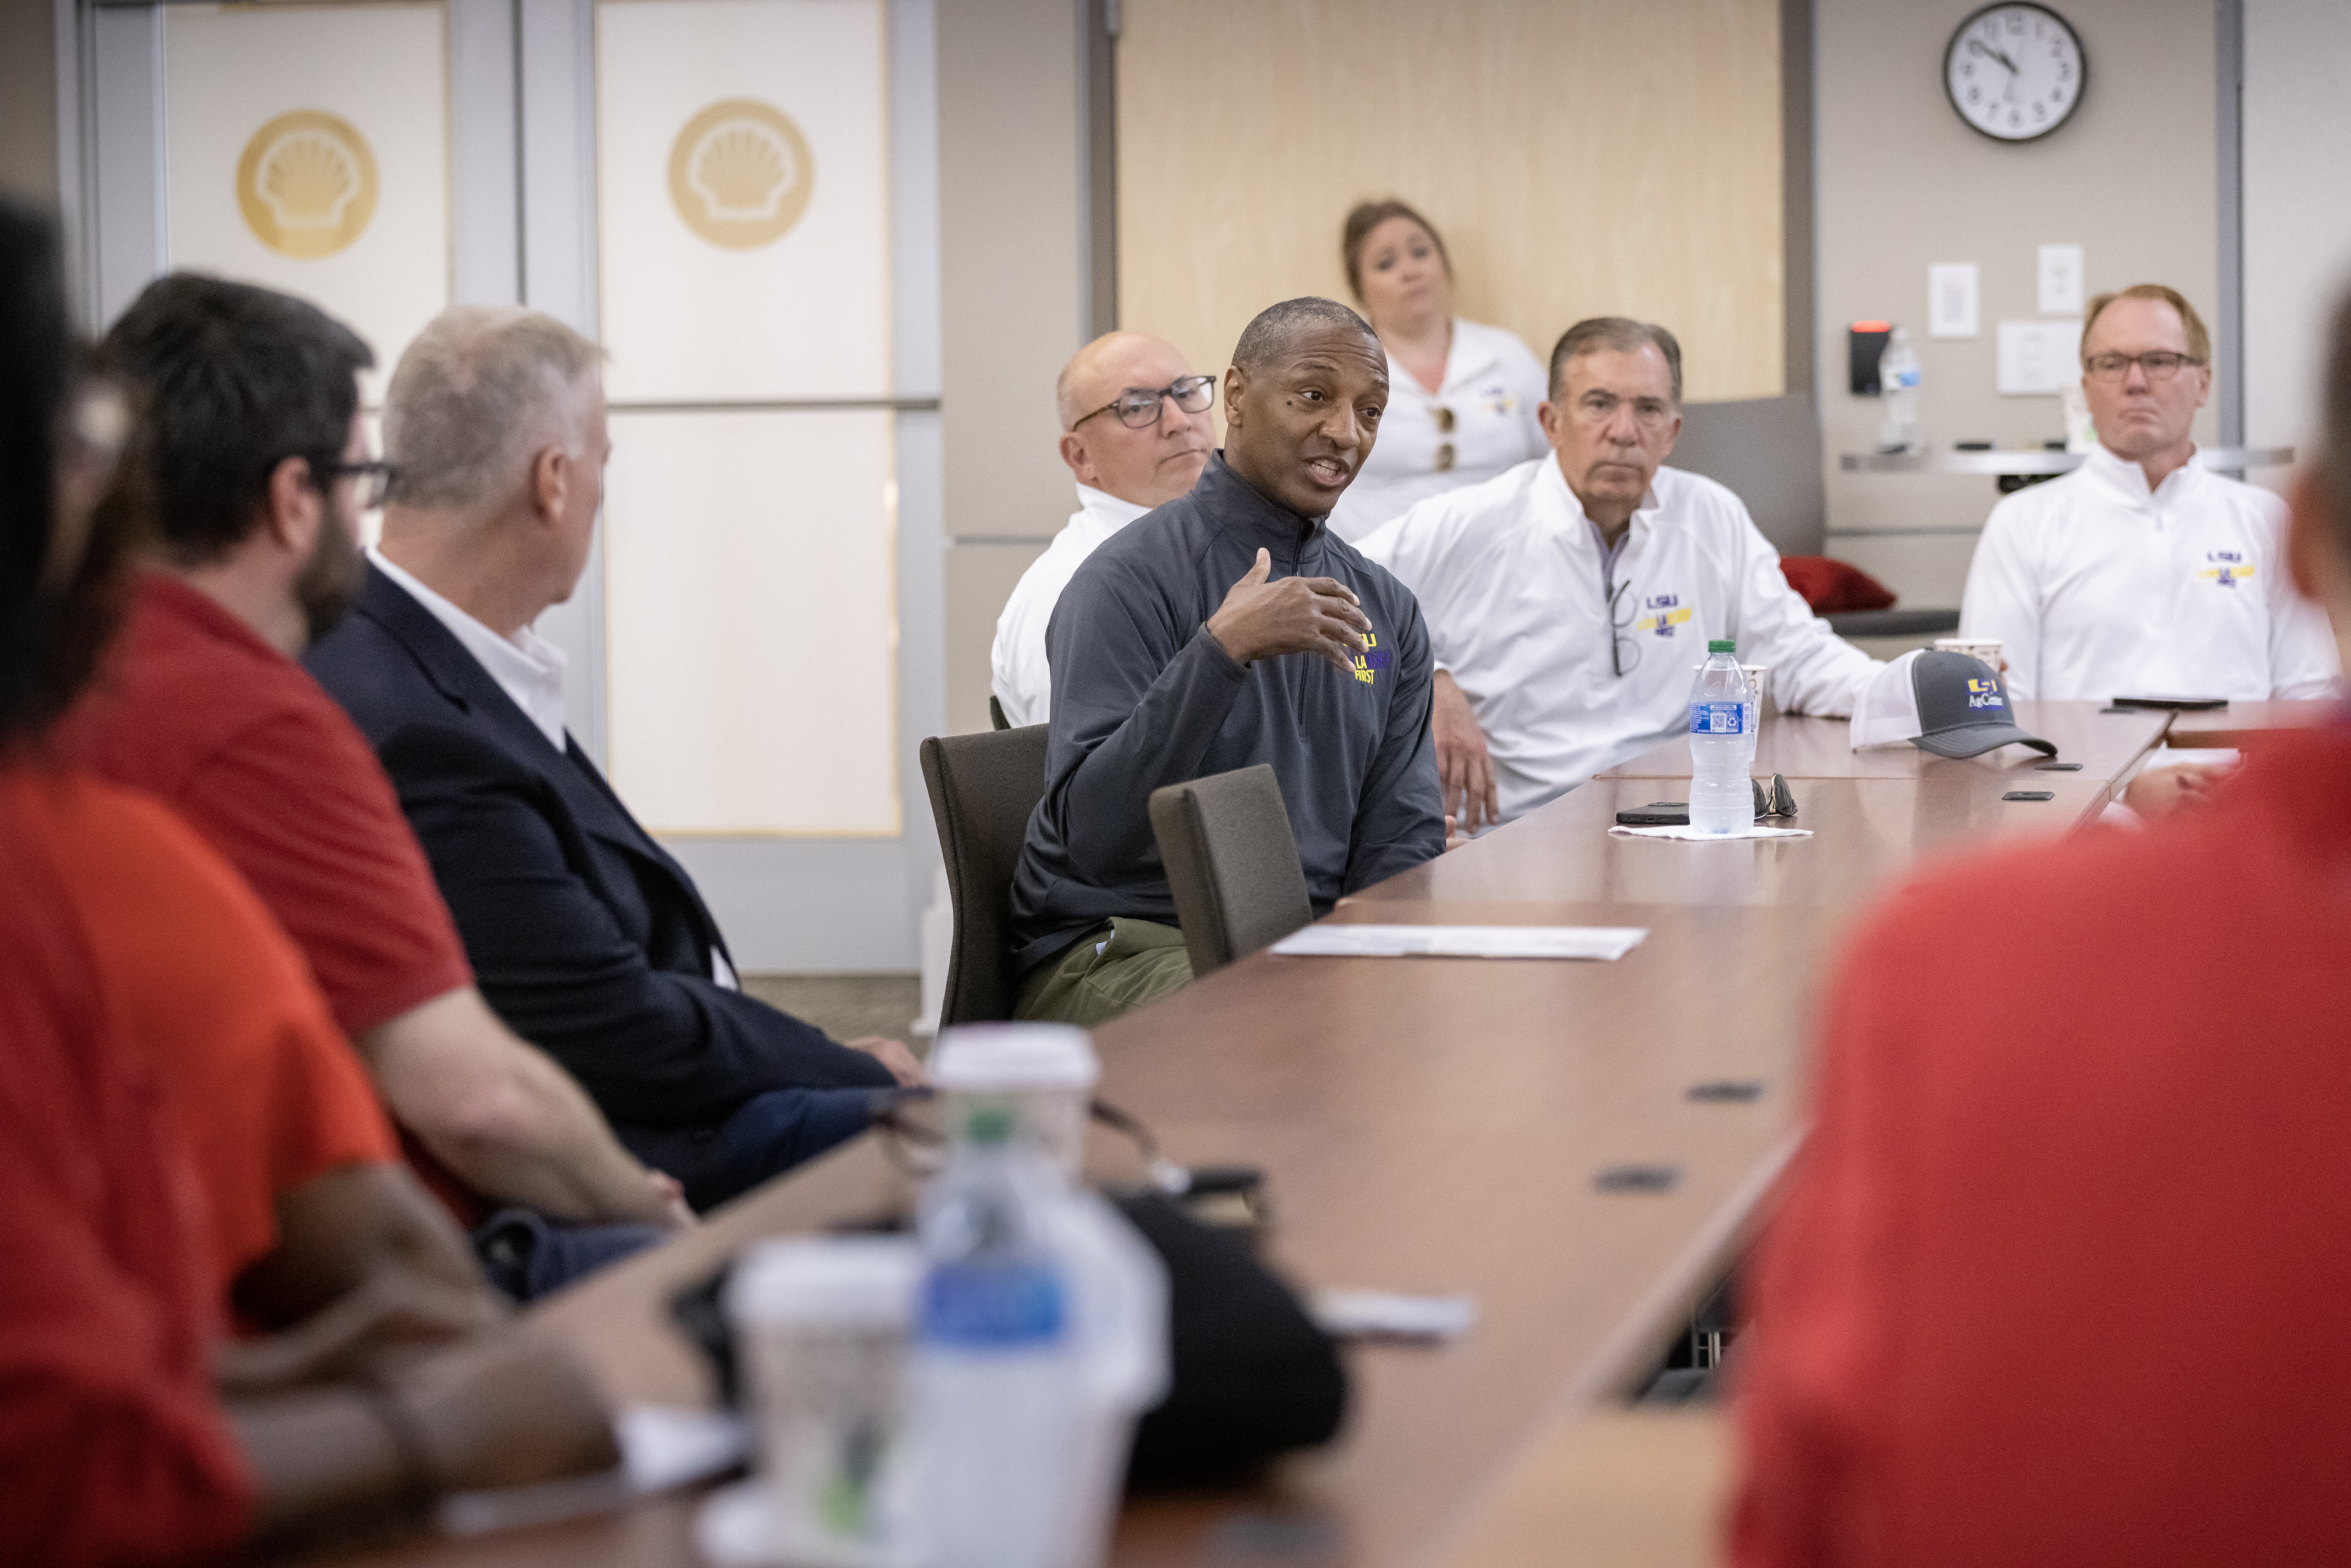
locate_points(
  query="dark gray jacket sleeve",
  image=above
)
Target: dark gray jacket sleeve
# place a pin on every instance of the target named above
(1138, 698)
(1400, 817)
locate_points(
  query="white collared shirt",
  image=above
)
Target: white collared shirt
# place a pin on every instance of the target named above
(1510, 577)
(527, 666)
(1023, 682)
(1492, 387)
(2098, 587)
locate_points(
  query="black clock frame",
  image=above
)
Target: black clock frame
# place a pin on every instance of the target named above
(1960, 32)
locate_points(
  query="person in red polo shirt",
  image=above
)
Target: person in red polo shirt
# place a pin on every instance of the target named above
(253, 460)
(2053, 1275)
(114, 1444)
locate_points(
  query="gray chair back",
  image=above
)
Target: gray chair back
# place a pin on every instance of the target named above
(1231, 864)
(983, 789)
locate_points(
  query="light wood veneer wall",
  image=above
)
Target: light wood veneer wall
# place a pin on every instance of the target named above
(1582, 158)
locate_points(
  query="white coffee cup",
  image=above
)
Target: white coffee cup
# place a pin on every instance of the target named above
(1984, 648)
(823, 1325)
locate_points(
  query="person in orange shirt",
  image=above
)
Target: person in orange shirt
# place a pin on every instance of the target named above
(2047, 1281)
(115, 1446)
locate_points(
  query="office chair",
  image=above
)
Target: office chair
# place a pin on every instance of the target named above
(983, 788)
(1231, 863)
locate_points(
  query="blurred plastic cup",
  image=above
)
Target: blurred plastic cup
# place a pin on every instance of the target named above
(1984, 648)
(823, 1325)
(1044, 1073)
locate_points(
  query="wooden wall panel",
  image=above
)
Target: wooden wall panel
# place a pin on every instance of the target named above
(1583, 157)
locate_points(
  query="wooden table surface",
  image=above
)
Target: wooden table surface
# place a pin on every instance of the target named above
(1434, 1125)
(2243, 724)
(1803, 747)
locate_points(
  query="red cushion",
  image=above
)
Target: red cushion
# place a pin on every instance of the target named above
(1828, 585)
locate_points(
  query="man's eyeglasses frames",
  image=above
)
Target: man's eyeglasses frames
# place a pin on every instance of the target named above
(1138, 407)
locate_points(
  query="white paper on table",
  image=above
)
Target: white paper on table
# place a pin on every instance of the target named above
(1758, 831)
(1384, 1314)
(2193, 756)
(662, 1446)
(1602, 941)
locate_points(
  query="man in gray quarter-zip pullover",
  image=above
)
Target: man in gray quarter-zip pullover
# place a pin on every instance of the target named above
(1228, 628)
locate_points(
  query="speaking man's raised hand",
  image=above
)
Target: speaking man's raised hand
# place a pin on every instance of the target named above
(1263, 620)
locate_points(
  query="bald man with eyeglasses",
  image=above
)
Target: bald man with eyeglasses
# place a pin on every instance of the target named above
(1136, 433)
(2142, 571)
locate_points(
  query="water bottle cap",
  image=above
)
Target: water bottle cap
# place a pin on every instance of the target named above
(832, 1281)
(1722, 646)
(1011, 1057)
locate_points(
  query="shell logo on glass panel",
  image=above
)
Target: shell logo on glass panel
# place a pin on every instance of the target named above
(740, 174)
(307, 183)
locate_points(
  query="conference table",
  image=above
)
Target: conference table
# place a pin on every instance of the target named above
(1583, 1148)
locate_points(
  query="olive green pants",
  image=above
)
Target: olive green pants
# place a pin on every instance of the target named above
(1111, 970)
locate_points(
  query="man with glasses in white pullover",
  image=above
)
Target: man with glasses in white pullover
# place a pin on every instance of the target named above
(1136, 433)
(1569, 599)
(2142, 571)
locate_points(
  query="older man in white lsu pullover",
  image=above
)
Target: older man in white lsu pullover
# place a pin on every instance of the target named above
(1135, 431)
(1569, 599)
(2143, 572)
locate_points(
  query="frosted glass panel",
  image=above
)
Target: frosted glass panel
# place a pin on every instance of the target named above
(751, 626)
(308, 149)
(742, 198)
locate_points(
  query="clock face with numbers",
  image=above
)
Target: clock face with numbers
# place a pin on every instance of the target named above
(2014, 71)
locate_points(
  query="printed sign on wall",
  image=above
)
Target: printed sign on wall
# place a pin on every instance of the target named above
(332, 184)
(742, 198)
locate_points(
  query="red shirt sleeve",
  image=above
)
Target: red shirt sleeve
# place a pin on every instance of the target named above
(301, 807)
(269, 1091)
(111, 1446)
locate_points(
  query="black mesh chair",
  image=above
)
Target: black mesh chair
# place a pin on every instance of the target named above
(983, 788)
(1231, 864)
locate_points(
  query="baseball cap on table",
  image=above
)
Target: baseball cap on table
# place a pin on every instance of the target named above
(1950, 703)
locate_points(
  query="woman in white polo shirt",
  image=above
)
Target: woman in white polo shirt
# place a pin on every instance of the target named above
(1461, 396)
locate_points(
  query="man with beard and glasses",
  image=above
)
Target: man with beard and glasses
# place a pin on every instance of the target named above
(250, 458)
(1229, 627)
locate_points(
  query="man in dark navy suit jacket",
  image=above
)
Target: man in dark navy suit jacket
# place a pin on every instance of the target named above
(585, 934)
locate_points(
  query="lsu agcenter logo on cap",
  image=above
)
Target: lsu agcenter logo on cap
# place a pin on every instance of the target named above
(740, 174)
(307, 184)
(1985, 693)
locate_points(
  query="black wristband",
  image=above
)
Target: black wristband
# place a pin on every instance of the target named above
(418, 1486)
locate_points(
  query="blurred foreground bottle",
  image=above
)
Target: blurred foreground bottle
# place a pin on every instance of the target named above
(1041, 1334)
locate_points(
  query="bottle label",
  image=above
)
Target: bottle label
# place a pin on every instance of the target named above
(1717, 718)
(991, 1304)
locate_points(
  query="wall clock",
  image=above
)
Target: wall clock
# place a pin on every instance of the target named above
(2015, 71)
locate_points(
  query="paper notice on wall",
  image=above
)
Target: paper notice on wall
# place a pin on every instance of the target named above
(1951, 296)
(2038, 359)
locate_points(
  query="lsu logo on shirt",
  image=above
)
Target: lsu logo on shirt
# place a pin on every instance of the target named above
(1371, 657)
(2227, 569)
(1985, 694)
(1665, 612)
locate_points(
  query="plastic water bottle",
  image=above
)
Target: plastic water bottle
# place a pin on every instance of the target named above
(1722, 703)
(1898, 384)
(997, 1379)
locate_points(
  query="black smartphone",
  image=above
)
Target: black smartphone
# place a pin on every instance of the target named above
(1656, 814)
(2175, 704)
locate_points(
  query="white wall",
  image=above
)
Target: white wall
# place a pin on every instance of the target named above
(2297, 207)
(1903, 183)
